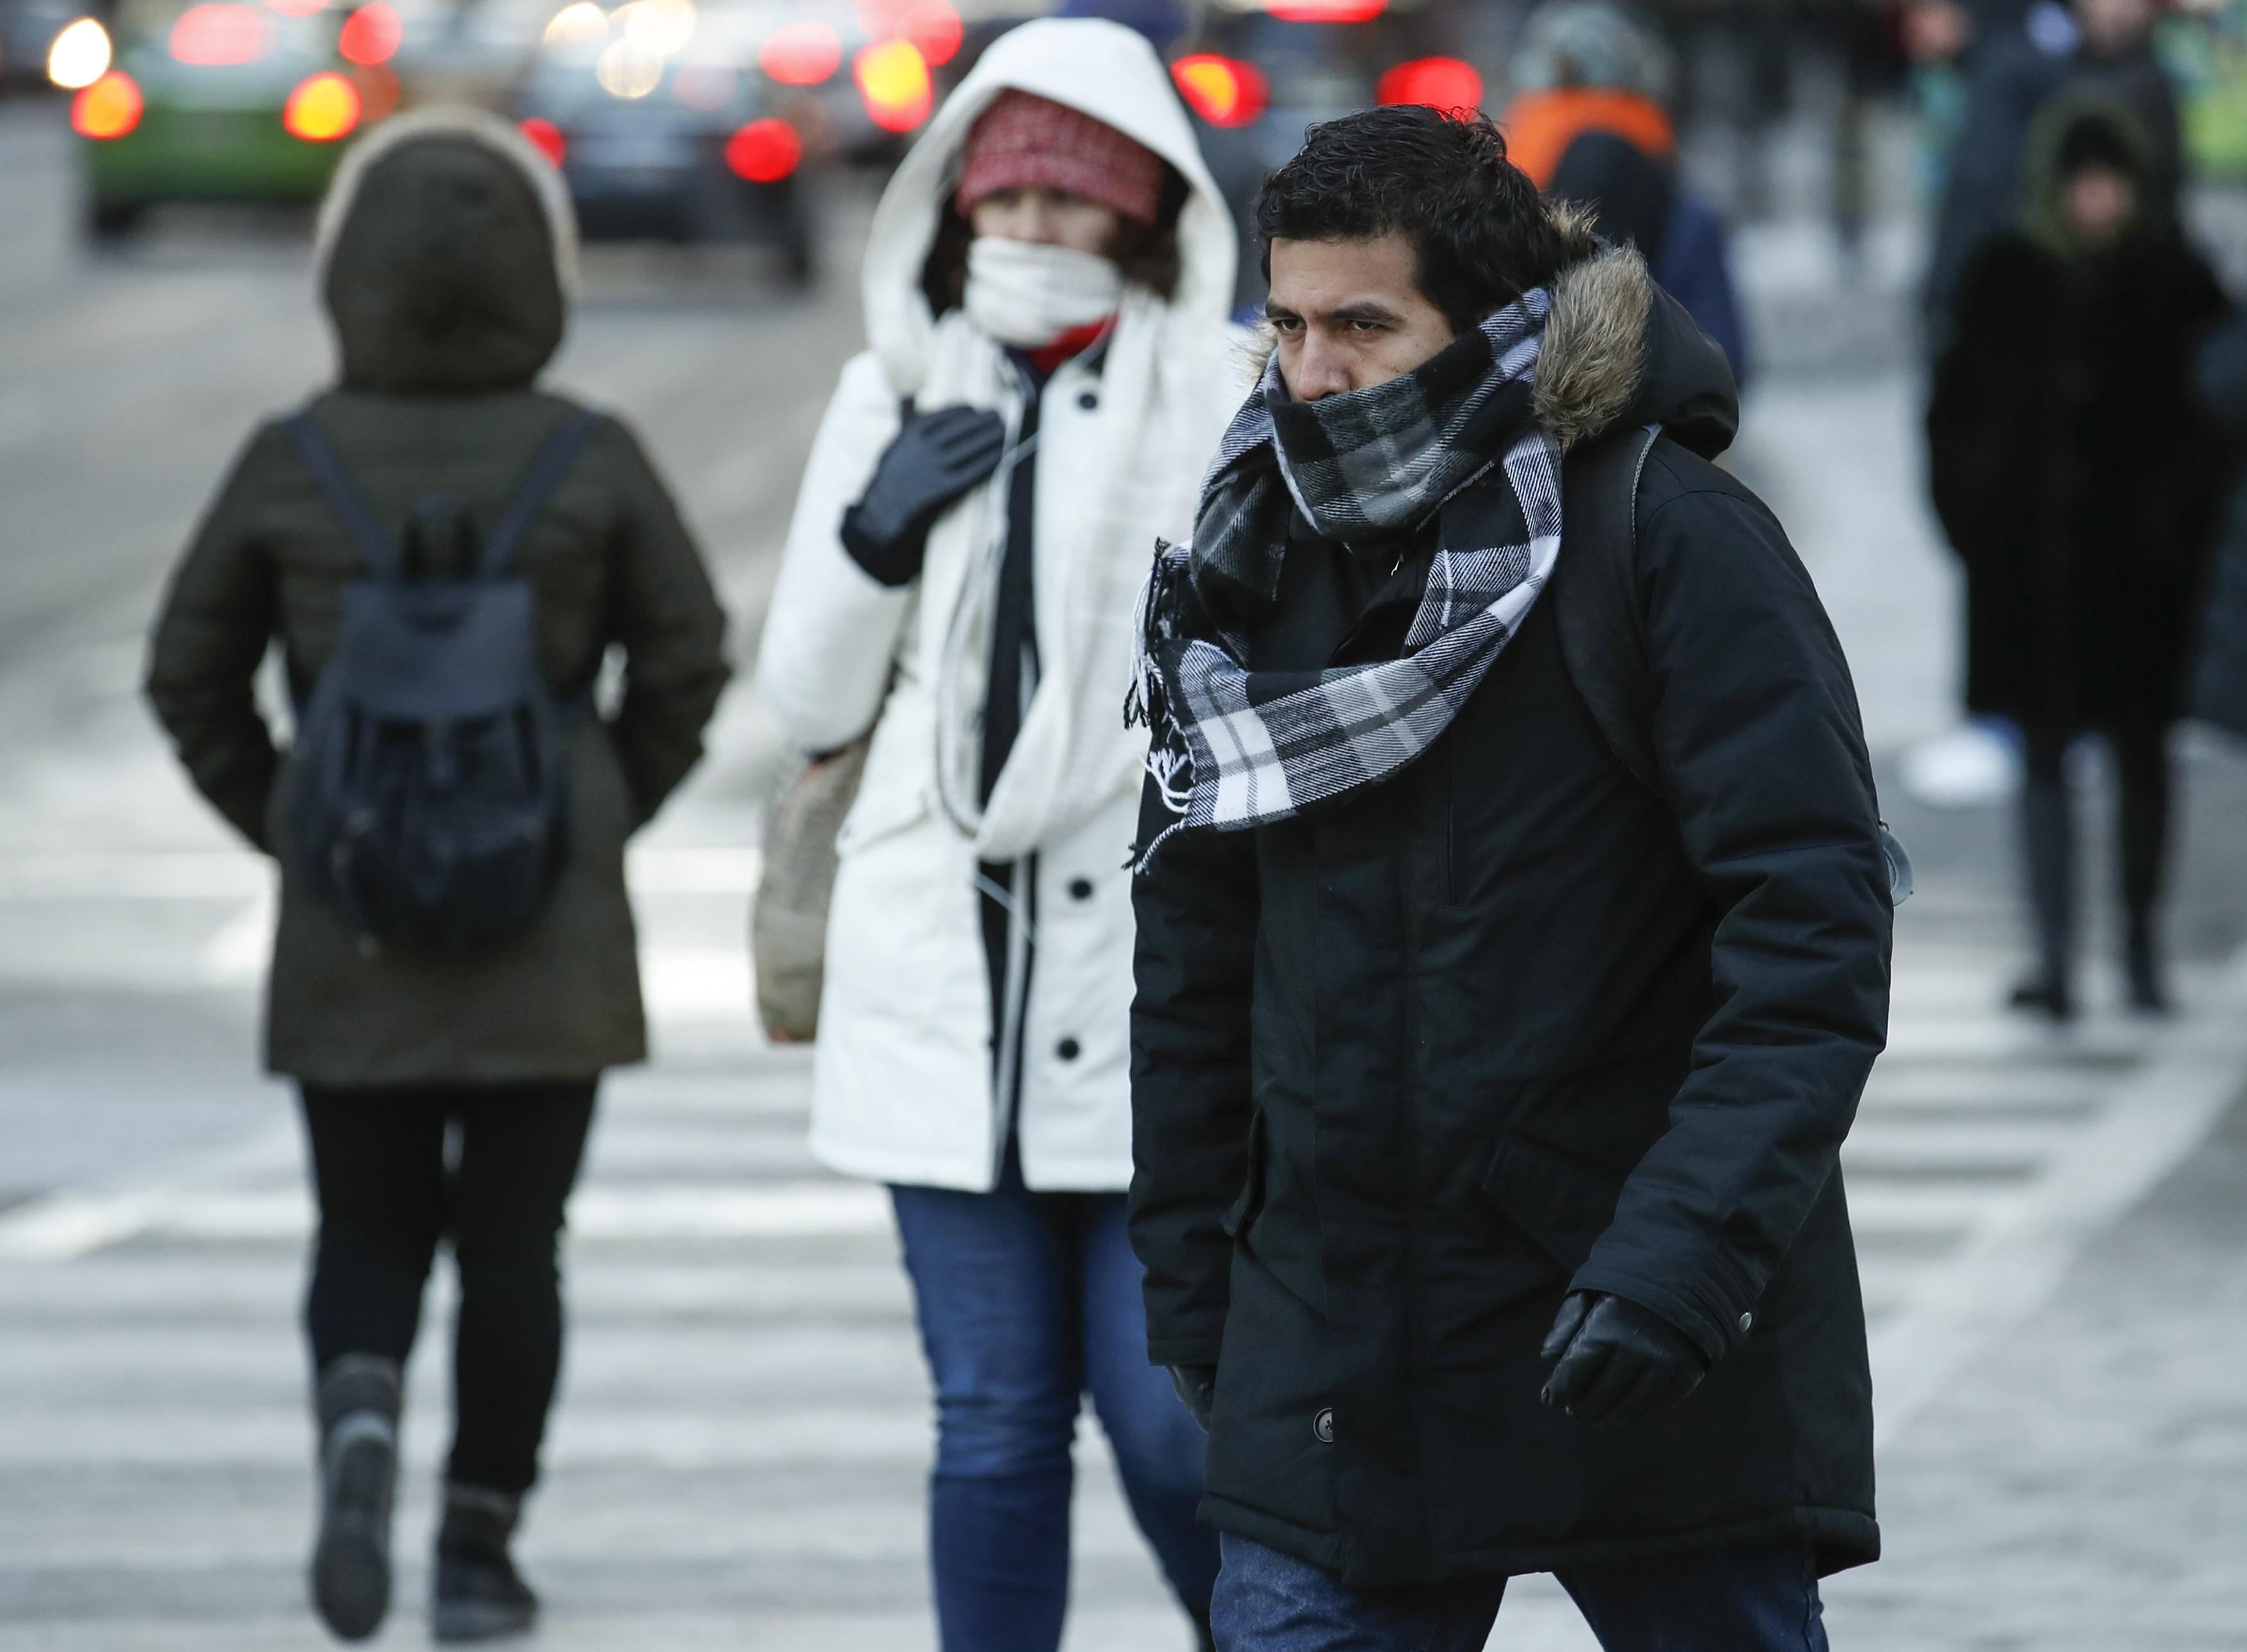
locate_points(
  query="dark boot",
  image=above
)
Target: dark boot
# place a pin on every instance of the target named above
(480, 1595)
(2142, 963)
(357, 1403)
(2048, 852)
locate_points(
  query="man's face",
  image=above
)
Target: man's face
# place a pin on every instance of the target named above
(1349, 315)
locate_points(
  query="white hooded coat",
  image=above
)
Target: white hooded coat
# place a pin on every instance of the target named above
(903, 1087)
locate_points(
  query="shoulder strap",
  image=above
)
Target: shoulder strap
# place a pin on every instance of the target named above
(327, 468)
(548, 467)
(1595, 594)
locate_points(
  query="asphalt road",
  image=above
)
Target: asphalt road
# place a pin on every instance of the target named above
(738, 1456)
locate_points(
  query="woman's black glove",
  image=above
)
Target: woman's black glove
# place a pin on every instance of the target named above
(937, 457)
(1619, 1362)
(1197, 1386)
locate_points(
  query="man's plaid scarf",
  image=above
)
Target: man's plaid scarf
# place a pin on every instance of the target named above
(1233, 747)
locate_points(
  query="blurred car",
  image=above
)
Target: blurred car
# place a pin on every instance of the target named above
(1257, 73)
(230, 100)
(697, 122)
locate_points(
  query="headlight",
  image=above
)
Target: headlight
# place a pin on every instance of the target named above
(79, 55)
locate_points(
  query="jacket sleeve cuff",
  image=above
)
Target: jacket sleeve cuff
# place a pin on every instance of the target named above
(1717, 1314)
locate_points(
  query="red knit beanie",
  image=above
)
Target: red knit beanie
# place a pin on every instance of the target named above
(1025, 141)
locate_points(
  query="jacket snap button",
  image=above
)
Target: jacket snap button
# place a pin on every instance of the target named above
(1322, 1426)
(1087, 401)
(1747, 1322)
(1068, 1049)
(1080, 889)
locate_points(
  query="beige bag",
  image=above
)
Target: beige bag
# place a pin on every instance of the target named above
(787, 920)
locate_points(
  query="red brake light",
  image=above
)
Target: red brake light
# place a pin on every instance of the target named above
(371, 34)
(932, 26)
(802, 53)
(323, 108)
(545, 137)
(108, 108)
(216, 35)
(1223, 90)
(1328, 10)
(764, 151)
(1441, 83)
(892, 77)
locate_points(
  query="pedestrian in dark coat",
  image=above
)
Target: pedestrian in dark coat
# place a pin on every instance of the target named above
(1487, 1099)
(446, 251)
(2074, 470)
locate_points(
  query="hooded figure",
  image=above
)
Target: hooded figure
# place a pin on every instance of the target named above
(446, 255)
(1049, 368)
(2075, 474)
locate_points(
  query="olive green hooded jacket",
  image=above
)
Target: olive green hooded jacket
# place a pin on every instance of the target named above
(447, 252)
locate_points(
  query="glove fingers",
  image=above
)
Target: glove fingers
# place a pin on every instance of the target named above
(1650, 1395)
(1573, 1377)
(1565, 1324)
(1617, 1376)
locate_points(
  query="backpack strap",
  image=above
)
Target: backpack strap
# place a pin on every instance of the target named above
(334, 480)
(1594, 594)
(552, 461)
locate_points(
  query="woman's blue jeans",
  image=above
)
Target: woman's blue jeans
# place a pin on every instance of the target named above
(1029, 1302)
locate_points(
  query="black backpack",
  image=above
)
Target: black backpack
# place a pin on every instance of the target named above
(1596, 611)
(425, 799)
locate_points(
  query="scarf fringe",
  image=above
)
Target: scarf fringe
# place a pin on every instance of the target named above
(1147, 703)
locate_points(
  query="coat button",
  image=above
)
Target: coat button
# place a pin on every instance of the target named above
(1087, 401)
(1068, 1049)
(1747, 1323)
(1322, 1426)
(1080, 889)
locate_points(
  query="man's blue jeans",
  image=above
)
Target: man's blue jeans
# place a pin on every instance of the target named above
(1749, 1600)
(1027, 1301)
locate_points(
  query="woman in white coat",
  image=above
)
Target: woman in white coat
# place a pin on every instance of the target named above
(1049, 374)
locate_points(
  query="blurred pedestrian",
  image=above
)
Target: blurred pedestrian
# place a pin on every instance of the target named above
(446, 1087)
(2075, 473)
(1590, 123)
(1045, 287)
(2090, 48)
(1512, 948)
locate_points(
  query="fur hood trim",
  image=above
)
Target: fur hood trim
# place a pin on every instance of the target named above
(473, 125)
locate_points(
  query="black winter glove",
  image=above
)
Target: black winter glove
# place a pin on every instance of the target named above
(1619, 1362)
(936, 458)
(1197, 1386)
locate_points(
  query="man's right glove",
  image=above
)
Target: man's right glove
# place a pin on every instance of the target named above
(937, 457)
(1619, 1362)
(1197, 1386)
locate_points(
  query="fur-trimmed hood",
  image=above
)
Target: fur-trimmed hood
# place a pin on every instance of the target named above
(446, 253)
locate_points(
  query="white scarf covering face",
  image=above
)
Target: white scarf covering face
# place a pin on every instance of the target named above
(1027, 294)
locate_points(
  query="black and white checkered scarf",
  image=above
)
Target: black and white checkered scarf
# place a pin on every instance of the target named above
(1233, 747)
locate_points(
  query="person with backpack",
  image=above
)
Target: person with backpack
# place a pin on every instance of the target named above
(1513, 941)
(1049, 368)
(445, 555)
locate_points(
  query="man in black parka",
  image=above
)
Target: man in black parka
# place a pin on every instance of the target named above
(1488, 1098)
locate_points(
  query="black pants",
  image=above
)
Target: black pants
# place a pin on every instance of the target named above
(2140, 753)
(489, 1167)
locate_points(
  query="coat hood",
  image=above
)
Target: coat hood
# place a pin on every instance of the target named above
(2119, 132)
(1107, 71)
(446, 253)
(1619, 352)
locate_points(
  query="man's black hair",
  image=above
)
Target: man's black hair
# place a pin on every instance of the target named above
(1442, 180)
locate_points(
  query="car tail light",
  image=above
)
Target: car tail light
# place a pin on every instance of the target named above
(370, 35)
(108, 108)
(1327, 11)
(804, 53)
(764, 151)
(1441, 83)
(932, 26)
(545, 137)
(323, 108)
(892, 77)
(214, 35)
(79, 55)
(1223, 90)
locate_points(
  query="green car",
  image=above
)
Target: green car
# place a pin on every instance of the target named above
(230, 100)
